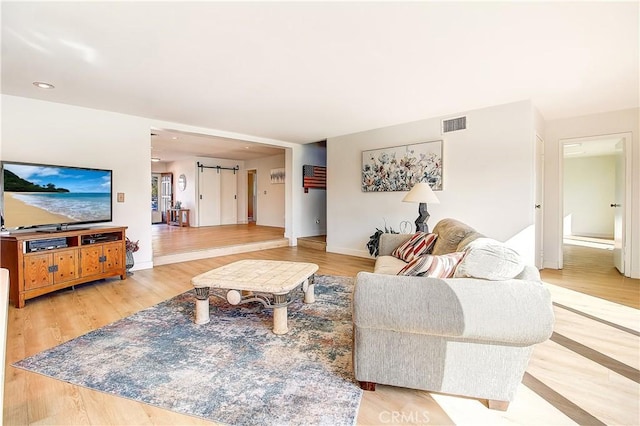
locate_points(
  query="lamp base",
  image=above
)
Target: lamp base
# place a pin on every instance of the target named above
(421, 221)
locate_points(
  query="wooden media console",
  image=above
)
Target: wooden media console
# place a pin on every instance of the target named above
(42, 262)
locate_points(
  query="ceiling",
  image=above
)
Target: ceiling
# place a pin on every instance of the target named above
(171, 145)
(305, 71)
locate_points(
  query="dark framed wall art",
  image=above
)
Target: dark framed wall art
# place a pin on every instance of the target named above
(277, 175)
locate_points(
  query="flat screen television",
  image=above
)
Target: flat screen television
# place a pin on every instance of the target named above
(43, 195)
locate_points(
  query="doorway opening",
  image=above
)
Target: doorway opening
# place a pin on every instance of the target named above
(252, 199)
(161, 196)
(594, 176)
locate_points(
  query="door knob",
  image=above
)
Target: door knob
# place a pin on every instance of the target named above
(537, 206)
(615, 205)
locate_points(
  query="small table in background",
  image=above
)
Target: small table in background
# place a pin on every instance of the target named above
(178, 217)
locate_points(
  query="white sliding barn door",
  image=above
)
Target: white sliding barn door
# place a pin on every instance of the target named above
(228, 197)
(209, 197)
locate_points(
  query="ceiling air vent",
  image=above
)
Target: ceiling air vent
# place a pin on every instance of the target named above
(454, 124)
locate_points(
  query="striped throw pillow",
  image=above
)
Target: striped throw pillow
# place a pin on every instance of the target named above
(420, 243)
(442, 266)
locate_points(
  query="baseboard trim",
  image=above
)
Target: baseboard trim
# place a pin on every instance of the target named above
(348, 252)
(139, 266)
(219, 251)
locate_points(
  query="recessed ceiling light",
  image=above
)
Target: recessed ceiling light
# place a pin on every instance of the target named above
(246, 147)
(43, 85)
(174, 138)
(155, 159)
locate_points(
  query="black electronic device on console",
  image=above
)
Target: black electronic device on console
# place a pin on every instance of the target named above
(46, 244)
(98, 238)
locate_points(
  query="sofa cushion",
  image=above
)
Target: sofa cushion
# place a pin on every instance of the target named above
(389, 242)
(442, 266)
(452, 236)
(490, 260)
(388, 265)
(421, 243)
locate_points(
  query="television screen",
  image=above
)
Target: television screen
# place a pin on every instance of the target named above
(40, 194)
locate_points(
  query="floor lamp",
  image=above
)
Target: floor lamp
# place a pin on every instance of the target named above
(421, 193)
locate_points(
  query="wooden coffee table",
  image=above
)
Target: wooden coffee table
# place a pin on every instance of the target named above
(266, 281)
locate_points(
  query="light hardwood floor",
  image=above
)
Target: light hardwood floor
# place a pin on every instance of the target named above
(590, 270)
(168, 240)
(586, 269)
(549, 395)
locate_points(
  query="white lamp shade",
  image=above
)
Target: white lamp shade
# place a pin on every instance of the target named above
(421, 193)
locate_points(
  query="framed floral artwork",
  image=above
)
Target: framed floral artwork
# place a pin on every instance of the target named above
(399, 168)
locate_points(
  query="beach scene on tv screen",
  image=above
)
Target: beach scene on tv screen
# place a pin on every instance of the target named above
(49, 195)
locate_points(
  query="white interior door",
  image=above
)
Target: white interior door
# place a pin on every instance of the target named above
(228, 197)
(539, 210)
(618, 205)
(209, 197)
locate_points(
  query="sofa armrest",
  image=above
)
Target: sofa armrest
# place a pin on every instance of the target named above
(529, 273)
(389, 242)
(515, 312)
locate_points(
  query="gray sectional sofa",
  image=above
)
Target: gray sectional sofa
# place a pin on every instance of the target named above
(470, 336)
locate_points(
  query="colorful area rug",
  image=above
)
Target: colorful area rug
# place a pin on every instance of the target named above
(233, 370)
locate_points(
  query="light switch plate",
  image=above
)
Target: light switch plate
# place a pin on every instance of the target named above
(121, 197)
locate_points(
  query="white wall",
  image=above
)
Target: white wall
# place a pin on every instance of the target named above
(487, 169)
(488, 178)
(159, 167)
(577, 127)
(314, 203)
(271, 196)
(589, 189)
(50, 133)
(47, 132)
(188, 196)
